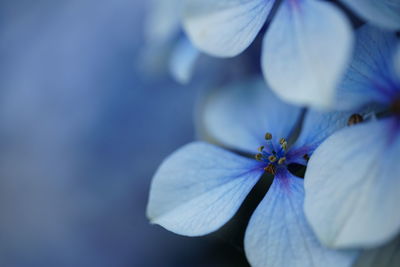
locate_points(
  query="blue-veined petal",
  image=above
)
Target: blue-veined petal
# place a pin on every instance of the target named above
(387, 255)
(352, 186)
(183, 60)
(279, 235)
(224, 27)
(199, 188)
(317, 126)
(239, 115)
(370, 76)
(306, 50)
(383, 13)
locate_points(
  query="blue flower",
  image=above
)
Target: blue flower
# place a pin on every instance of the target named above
(199, 188)
(353, 181)
(382, 13)
(164, 41)
(305, 49)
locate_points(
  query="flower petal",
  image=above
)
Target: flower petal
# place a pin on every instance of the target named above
(302, 38)
(279, 235)
(370, 76)
(384, 256)
(352, 186)
(317, 126)
(183, 60)
(383, 13)
(238, 116)
(224, 28)
(162, 21)
(199, 188)
(397, 61)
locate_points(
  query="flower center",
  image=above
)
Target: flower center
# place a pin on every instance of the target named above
(274, 155)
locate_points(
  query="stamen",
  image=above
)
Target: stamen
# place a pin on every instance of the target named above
(270, 169)
(306, 157)
(282, 160)
(355, 119)
(272, 158)
(284, 145)
(272, 154)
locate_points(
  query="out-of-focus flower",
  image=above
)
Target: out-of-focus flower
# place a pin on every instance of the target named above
(383, 13)
(305, 50)
(353, 181)
(165, 45)
(200, 187)
(387, 255)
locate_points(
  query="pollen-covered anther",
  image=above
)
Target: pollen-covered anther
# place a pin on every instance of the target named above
(258, 156)
(355, 119)
(261, 148)
(270, 169)
(281, 160)
(268, 136)
(272, 158)
(283, 143)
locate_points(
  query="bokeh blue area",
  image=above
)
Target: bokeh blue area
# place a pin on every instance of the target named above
(82, 131)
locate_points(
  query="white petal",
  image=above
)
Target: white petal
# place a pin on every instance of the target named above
(383, 13)
(352, 186)
(279, 235)
(199, 188)
(183, 60)
(224, 27)
(305, 51)
(238, 116)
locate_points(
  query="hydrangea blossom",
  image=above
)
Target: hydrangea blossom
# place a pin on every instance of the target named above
(383, 13)
(305, 50)
(353, 181)
(199, 188)
(163, 36)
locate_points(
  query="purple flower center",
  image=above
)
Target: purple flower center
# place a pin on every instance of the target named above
(273, 154)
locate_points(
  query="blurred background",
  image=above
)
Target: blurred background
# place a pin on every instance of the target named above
(83, 127)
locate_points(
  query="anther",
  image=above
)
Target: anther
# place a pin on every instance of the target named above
(282, 141)
(355, 119)
(260, 149)
(268, 136)
(258, 156)
(270, 169)
(284, 145)
(281, 160)
(272, 158)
